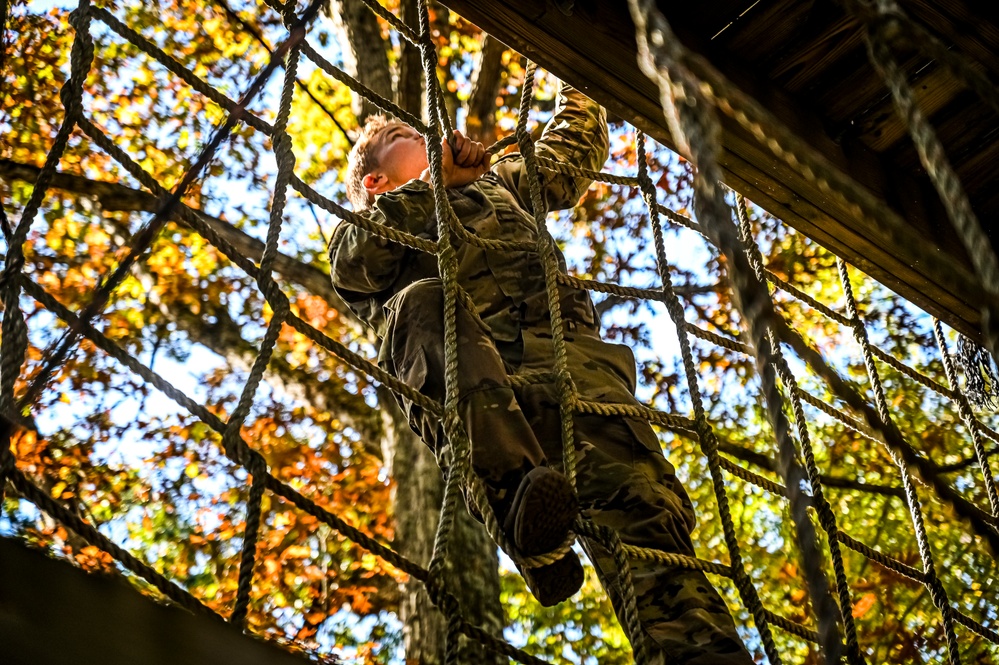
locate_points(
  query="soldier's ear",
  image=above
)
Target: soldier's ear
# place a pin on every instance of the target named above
(375, 183)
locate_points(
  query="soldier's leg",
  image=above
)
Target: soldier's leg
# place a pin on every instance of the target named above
(503, 446)
(535, 505)
(625, 484)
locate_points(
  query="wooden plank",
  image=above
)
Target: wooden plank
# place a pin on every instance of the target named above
(966, 129)
(979, 187)
(972, 26)
(933, 87)
(847, 94)
(871, 264)
(593, 47)
(52, 613)
(799, 69)
(771, 22)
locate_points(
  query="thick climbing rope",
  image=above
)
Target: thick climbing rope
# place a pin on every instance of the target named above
(683, 79)
(883, 25)
(826, 516)
(915, 510)
(694, 125)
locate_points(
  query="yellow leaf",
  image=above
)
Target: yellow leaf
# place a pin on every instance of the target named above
(57, 489)
(192, 470)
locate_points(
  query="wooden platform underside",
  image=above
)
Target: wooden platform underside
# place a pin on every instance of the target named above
(52, 613)
(806, 62)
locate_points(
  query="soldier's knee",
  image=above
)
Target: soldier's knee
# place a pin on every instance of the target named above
(425, 296)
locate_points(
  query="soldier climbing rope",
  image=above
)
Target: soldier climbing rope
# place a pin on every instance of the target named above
(692, 92)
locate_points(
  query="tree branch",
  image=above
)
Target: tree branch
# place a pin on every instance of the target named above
(765, 462)
(119, 198)
(965, 463)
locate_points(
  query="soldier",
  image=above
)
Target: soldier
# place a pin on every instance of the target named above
(623, 480)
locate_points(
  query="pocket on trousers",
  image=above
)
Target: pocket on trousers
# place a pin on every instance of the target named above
(413, 368)
(644, 434)
(413, 372)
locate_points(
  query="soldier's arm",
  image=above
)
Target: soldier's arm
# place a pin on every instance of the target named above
(576, 135)
(362, 262)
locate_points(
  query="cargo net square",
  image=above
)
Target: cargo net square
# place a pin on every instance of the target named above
(187, 402)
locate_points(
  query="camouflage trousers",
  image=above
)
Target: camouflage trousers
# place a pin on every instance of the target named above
(623, 480)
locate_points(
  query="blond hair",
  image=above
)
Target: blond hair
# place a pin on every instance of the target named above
(363, 159)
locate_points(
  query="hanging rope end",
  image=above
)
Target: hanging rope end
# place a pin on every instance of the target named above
(981, 386)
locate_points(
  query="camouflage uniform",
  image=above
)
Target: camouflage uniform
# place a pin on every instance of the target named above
(623, 479)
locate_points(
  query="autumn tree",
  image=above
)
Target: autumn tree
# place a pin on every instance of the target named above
(321, 419)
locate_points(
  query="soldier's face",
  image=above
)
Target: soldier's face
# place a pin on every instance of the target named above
(402, 156)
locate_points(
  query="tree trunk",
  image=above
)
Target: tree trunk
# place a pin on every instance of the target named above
(419, 492)
(409, 88)
(364, 54)
(481, 122)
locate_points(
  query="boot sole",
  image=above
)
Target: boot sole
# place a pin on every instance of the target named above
(544, 510)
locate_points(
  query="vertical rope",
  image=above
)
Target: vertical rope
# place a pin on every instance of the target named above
(694, 125)
(937, 592)
(563, 379)
(248, 553)
(14, 342)
(448, 265)
(546, 249)
(826, 516)
(705, 434)
(609, 538)
(232, 441)
(968, 415)
(941, 173)
(7, 461)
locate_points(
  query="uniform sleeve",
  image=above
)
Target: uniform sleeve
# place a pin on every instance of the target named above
(576, 135)
(362, 262)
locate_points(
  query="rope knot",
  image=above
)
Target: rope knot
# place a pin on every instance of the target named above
(237, 450)
(437, 589)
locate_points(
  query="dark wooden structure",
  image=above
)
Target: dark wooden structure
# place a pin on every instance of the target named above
(52, 613)
(806, 62)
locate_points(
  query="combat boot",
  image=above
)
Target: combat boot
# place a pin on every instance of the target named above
(543, 511)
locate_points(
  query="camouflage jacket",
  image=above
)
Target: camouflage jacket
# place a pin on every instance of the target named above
(508, 287)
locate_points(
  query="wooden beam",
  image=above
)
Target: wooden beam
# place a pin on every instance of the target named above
(52, 613)
(592, 46)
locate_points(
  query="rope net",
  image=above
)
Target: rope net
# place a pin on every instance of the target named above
(791, 371)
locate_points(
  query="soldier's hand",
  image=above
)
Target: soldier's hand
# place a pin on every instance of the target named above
(465, 162)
